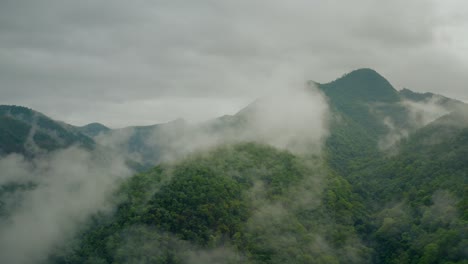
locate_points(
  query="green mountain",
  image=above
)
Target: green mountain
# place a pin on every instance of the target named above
(253, 202)
(389, 186)
(370, 115)
(446, 102)
(416, 194)
(365, 97)
(28, 132)
(363, 85)
(257, 204)
(418, 198)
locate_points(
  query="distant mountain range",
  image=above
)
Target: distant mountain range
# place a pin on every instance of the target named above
(362, 99)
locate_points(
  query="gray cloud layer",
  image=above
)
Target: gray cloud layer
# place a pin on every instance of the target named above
(142, 62)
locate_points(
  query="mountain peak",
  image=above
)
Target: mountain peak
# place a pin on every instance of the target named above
(362, 85)
(93, 129)
(364, 72)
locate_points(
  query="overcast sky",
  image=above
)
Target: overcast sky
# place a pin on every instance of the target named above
(123, 62)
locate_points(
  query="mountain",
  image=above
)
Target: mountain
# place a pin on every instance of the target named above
(370, 115)
(28, 132)
(414, 190)
(239, 200)
(251, 203)
(448, 103)
(363, 85)
(388, 185)
(93, 129)
(144, 143)
(366, 98)
(417, 199)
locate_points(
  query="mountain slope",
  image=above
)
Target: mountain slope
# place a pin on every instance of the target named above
(369, 115)
(240, 200)
(359, 101)
(448, 103)
(93, 129)
(418, 197)
(363, 85)
(365, 97)
(28, 132)
(221, 199)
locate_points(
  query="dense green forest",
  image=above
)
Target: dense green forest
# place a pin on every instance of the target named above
(259, 204)
(359, 200)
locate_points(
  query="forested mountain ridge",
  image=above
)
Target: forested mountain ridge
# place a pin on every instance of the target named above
(421, 174)
(416, 189)
(418, 198)
(449, 103)
(366, 108)
(93, 129)
(388, 185)
(251, 202)
(365, 85)
(25, 131)
(368, 98)
(363, 126)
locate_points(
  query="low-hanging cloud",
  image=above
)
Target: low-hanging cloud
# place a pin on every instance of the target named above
(419, 114)
(68, 186)
(423, 113)
(292, 116)
(295, 118)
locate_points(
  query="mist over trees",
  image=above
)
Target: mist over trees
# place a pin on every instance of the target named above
(351, 171)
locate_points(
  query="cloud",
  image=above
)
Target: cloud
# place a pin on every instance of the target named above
(393, 135)
(296, 118)
(68, 186)
(442, 211)
(419, 115)
(15, 169)
(114, 55)
(423, 113)
(292, 116)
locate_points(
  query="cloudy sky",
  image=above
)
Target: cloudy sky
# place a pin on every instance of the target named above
(143, 62)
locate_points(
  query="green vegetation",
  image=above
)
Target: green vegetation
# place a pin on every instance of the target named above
(415, 194)
(25, 131)
(418, 198)
(252, 203)
(263, 205)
